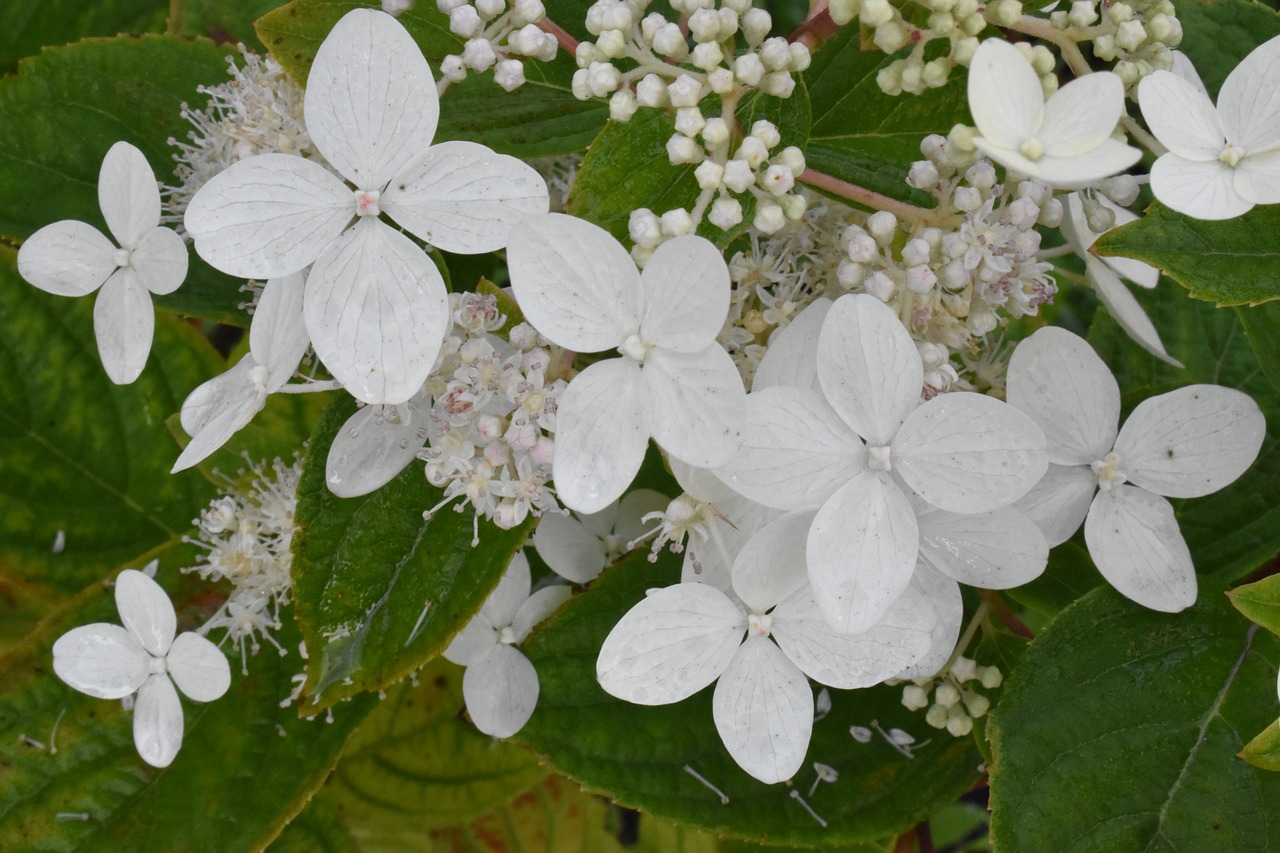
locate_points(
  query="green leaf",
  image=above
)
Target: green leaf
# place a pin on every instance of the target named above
(1221, 261)
(202, 800)
(1127, 723)
(637, 754)
(863, 136)
(1262, 327)
(378, 590)
(30, 25)
(1264, 750)
(1260, 602)
(64, 109)
(317, 829)
(224, 20)
(1236, 530)
(81, 455)
(1217, 34)
(1069, 575)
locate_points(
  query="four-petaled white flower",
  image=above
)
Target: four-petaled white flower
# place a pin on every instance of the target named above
(962, 452)
(674, 382)
(578, 549)
(679, 639)
(71, 258)
(375, 305)
(221, 407)
(500, 684)
(1224, 160)
(1183, 444)
(1065, 141)
(111, 662)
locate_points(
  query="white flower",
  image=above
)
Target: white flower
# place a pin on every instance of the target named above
(680, 639)
(961, 452)
(1183, 444)
(1065, 141)
(221, 407)
(71, 258)
(1223, 161)
(500, 684)
(375, 306)
(110, 662)
(580, 288)
(579, 548)
(375, 444)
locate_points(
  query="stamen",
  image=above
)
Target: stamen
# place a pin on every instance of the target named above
(724, 799)
(795, 795)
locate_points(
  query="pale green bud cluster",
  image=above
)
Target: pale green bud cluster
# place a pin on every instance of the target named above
(497, 36)
(952, 696)
(1137, 36)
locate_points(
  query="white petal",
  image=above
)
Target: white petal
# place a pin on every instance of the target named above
(537, 608)
(463, 198)
(67, 258)
(124, 323)
(1258, 178)
(1076, 228)
(373, 447)
(1080, 115)
(511, 592)
(698, 402)
(939, 593)
(1181, 116)
(796, 451)
(1125, 310)
(1198, 189)
(377, 311)
(771, 565)
(371, 102)
(146, 611)
(861, 551)
(278, 332)
(969, 453)
(128, 194)
(602, 430)
(1135, 542)
(1249, 101)
(849, 661)
(1057, 380)
(869, 367)
(268, 215)
(157, 721)
(1068, 173)
(1059, 502)
(686, 294)
(1004, 94)
(633, 507)
(198, 667)
(670, 645)
(763, 708)
(102, 660)
(792, 356)
(1183, 67)
(574, 282)
(1191, 442)
(570, 549)
(501, 690)
(702, 483)
(476, 639)
(1000, 549)
(160, 260)
(709, 559)
(218, 409)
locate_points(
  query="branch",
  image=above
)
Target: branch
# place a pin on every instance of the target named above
(867, 198)
(816, 28)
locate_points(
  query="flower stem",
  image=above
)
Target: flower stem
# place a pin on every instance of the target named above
(566, 41)
(867, 198)
(816, 28)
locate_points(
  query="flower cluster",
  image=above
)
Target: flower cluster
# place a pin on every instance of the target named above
(1137, 36)
(955, 701)
(496, 37)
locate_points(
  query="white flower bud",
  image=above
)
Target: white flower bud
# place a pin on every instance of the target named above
(509, 74)
(954, 276)
(478, 55)
(958, 725)
(932, 355)
(651, 91)
(890, 37)
(1083, 13)
(753, 151)
(946, 695)
(766, 132)
(682, 149)
(936, 716)
(685, 92)
(964, 50)
(689, 121)
(769, 218)
(464, 21)
(721, 81)
(936, 72)
(1131, 35)
(976, 704)
(861, 246)
(707, 56)
(716, 132)
(669, 41)
(849, 274)
(981, 321)
(587, 53)
(914, 697)
(618, 16)
(748, 69)
(876, 13)
(777, 180)
(650, 25)
(1121, 189)
(916, 251)
(843, 11)
(677, 223)
(603, 78)
(490, 9)
(1099, 217)
(725, 213)
(800, 56)
(879, 285)
(775, 53)
(710, 175)
(622, 106)
(395, 8)
(964, 669)
(882, 225)
(612, 44)
(738, 175)
(791, 157)
(755, 24)
(645, 228)
(1165, 29)
(528, 12)
(1119, 13)
(967, 199)
(1051, 213)
(452, 69)
(704, 26)
(794, 206)
(981, 174)
(991, 678)
(1004, 13)
(921, 279)
(527, 41)
(923, 175)
(780, 84)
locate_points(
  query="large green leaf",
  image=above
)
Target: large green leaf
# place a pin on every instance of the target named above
(64, 109)
(81, 455)
(1262, 328)
(224, 20)
(30, 25)
(1233, 531)
(1260, 602)
(1119, 731)
(638, 754)
(1217, 34)
(380, 591)
(860, 134)
(247, 765)
(1264, 750)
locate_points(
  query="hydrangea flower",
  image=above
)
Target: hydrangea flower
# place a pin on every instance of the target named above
(1065, 141)
(1224, 160)
(500, 685)
(680, 639)
(1183, 444)
(376, 307)
(578, 549)
(674, 382)
(71, 258)
(108, 661)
